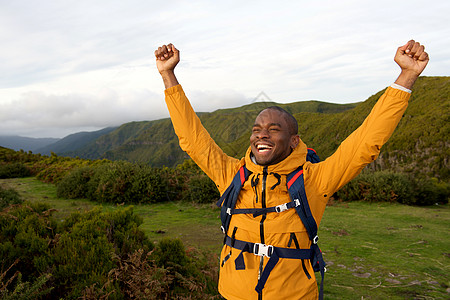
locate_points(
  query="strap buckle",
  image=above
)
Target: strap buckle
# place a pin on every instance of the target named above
(297, 202)
(262, 249)
(315, 239)
(229, 211)
(281, 208)
(222, 228)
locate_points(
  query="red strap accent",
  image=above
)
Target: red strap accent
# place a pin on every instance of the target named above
(312, 150)
(293, 179)
(242, 175)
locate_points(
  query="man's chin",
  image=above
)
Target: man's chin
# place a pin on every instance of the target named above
(263, 161)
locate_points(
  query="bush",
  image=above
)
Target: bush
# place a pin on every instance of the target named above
(189, 272)
(9, 196)
(430, 191)
(201, 189)
(169, 253)
(378, 187)
(78, 252)
(22, 290)
(14, 170)
(139, 277)
(26, 232)
(148, 186)
(110, 182)
(75, 184)
(394, 187)
(122, 182)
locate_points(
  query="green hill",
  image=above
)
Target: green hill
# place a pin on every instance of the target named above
(73, 142)
(155, 142)
(419, 144)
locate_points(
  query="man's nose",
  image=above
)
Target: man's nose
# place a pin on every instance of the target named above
(263, 133)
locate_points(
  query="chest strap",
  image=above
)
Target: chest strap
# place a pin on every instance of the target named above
(261, 211)
(273, 253)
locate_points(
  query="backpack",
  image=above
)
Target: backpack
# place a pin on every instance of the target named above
(296, 189)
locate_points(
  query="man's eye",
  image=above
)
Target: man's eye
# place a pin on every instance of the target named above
(274, 129)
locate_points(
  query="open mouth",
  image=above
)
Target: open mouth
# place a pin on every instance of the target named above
(262, 148)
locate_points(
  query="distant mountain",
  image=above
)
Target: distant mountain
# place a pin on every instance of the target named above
(25, 143)
(155, 143)
(66, 146)
(420, 144)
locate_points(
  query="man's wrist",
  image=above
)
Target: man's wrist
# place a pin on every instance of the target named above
(406, 79)
(169, 78)
(399, 87)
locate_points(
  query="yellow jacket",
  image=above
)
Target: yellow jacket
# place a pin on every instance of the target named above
(287, 280)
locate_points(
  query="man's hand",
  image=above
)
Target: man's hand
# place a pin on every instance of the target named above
(167, 57)
(412, 59)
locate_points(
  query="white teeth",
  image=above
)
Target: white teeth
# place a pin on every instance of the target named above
(263, 148)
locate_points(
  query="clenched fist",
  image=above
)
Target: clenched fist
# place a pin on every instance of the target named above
(167, 57)
(412, 59)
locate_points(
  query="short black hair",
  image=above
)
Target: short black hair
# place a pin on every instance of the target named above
(292, 122)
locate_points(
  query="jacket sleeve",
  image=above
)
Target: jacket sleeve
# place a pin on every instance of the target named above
(362, 146)
(196, 141)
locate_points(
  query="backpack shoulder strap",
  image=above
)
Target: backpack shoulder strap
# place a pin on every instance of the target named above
(229, 197)
(312, 156)
(296, 188)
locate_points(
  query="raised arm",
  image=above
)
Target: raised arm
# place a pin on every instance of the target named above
(364, 144)
(167, 58)
(193, 137)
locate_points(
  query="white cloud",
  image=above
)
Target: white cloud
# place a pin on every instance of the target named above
(89, 64)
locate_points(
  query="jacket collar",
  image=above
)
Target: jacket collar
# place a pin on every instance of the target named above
(289, 164)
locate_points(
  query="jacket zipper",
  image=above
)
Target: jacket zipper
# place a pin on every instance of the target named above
(261, 224)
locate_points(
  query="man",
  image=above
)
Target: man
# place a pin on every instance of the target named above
(275, 151)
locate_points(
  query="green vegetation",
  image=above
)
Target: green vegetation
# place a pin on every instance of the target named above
(386, 251)
(379, 251)
(13, 170)
(385, 186)
(93, 254)
(9, 196)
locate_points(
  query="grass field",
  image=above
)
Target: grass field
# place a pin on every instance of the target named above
(373, 251)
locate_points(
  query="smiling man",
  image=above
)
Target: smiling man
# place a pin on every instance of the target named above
(253, 261)
(274, 136)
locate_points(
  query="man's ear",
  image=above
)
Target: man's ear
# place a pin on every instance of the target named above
(295, 139)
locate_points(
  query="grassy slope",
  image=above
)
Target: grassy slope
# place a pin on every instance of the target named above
(374, 251)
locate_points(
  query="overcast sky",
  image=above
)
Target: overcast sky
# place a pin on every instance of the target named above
(69, 66)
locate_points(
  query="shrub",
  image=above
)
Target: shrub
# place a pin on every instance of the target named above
(170, 252)
(14, 170)
(9, 196)
(26, 232)
(121, 182)
(378, 187)
(148, 186)
(430, 191)
(75, 184)
(201, 189)
(139, 277)
(110, 182)
(78, 252)
(394, 187)
(22, 290)
(189, 272)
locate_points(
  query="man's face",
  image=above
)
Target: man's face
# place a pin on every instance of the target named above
(271, 140)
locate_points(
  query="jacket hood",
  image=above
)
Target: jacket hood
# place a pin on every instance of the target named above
(293, 161)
